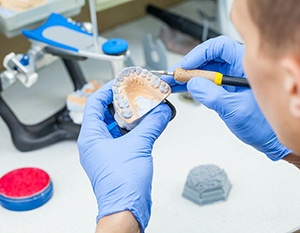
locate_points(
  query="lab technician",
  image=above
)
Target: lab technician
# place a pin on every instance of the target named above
(120, 168)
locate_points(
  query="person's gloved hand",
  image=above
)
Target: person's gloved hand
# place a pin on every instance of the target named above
(235, 105)
(119, 167)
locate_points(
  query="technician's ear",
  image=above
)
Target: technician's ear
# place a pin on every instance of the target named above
(291, 69)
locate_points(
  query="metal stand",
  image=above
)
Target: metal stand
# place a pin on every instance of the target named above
(56, 128)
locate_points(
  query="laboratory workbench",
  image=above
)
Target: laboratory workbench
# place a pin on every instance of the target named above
(265, 195)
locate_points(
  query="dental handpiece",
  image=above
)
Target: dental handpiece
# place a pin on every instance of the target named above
(182, 75)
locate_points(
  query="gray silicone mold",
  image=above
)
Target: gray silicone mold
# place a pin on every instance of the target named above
(206, 184)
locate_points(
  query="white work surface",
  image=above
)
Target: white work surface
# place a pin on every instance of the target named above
(265, 195)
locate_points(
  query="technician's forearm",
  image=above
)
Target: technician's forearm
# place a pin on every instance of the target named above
(294, 159)
(122, 222)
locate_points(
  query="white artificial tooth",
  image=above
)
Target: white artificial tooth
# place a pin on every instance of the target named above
(155, 81)
(117, 83)
(116, 90)
(132, 69)
(123, 103)
(118, 96)
(126, 113)
(138, 70)
(164, 88)
(144, 73)
(163, 85)
(120, 77)
(126, 72)
(164, 91)
(149, 76)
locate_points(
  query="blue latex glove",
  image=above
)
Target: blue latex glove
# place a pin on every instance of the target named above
(235, 105)
(119, 167)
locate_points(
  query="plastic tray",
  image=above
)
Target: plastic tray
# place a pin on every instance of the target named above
(11, 22)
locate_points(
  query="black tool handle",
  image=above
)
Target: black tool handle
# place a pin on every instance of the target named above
(180, 23)
(234, 81)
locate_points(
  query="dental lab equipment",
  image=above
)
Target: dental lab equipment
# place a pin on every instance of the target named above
(69, 41)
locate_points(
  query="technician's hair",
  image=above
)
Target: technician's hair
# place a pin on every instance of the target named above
(278, 22)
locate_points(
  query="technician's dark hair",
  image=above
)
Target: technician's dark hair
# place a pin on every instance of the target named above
(278, 22)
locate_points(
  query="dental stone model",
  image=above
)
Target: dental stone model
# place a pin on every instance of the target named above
(76, 100)
(21, 5)
(136, 92)
(206, 184)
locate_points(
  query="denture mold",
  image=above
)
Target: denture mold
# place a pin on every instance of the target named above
(206, 184)
(21, 5)
(136, 91)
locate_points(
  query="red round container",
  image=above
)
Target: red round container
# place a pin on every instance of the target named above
(25, 189)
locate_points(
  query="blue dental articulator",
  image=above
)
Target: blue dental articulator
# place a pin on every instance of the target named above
(71, 42)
